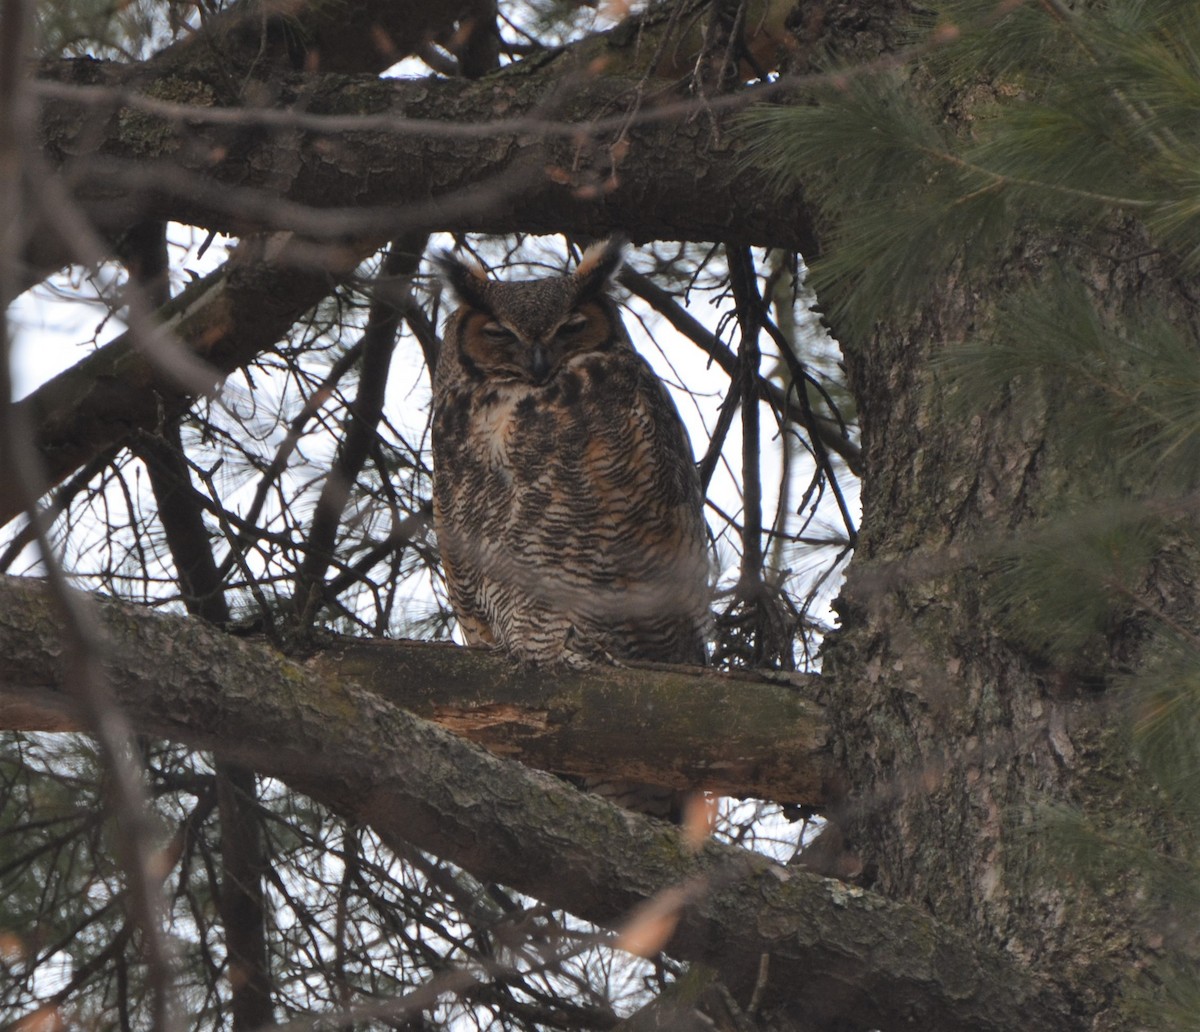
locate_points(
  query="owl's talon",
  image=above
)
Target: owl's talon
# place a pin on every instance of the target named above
(581, 653)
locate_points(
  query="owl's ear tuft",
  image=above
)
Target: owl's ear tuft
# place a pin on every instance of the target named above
(598, 265)
(466, 279)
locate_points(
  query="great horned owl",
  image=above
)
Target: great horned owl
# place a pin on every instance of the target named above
(566, 503)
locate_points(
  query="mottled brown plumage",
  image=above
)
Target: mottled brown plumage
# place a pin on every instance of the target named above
(566, 503)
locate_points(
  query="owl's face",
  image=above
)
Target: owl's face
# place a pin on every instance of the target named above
(527, 332)
(500, 346)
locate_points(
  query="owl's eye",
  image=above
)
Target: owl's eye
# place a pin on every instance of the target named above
(572, 325)
(495, 332)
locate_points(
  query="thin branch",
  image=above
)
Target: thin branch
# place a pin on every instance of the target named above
(831, 432)
(379, 340)
(749, 312)
(82, 642)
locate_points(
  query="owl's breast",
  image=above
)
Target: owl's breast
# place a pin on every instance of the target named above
(493, 424)
(572, 507)
(473, 430)
(597, 449)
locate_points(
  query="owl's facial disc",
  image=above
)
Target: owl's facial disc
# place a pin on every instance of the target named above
(519, 346)
(581, 332)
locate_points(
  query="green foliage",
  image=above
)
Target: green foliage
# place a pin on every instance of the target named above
(865, 139)
(1165, 699)
(1045, 123)
(1126, 388)
(1058, 121)
(1182, 1009)
(1062, 588)
(1101, 856)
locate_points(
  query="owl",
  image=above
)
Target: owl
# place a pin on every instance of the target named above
(566, 504)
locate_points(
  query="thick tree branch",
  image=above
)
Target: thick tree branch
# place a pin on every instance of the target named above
(872, 963)
(237, 53)
(547, 146)
(608, 721)
(365, 36)
(601, 722)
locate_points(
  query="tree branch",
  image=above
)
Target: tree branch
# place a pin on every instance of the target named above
(533, 148)
(366, 36)
(876, 963)
(667, 305)
(602, 721)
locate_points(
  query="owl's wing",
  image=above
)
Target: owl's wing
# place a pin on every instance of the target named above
(661, 552)
(672, 452)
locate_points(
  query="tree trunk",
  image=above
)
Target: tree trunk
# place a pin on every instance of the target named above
(959, 744)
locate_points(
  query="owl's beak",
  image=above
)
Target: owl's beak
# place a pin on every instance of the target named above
(539, 363)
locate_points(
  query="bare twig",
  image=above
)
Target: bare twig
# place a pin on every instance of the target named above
(379, 340)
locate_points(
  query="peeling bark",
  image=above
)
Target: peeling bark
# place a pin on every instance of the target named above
(605, 721)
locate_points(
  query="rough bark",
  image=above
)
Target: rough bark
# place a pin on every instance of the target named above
(584, 723)
(546, 146)
(872, 963)
(957, 741)
(234, 56)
